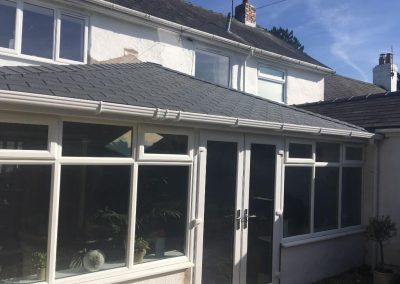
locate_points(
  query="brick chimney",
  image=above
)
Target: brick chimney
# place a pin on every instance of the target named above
(246, 13)
(385, 73)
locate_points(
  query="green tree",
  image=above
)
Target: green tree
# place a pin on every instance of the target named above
(287, 36)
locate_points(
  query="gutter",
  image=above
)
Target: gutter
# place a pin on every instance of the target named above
(158, 114)
(191, 31)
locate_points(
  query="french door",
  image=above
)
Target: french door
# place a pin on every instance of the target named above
(237, 203)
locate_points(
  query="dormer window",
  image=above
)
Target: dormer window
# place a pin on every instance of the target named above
(212, 67)
(42, 33)
(271, 83)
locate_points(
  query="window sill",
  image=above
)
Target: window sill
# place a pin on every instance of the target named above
(324, 237)
(125, 274)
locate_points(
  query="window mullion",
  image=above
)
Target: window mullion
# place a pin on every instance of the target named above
(340, 199)
(18, 27)
(130, 246)
(312, 200)
(57, 30)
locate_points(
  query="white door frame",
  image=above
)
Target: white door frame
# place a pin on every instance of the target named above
(278, 203)
(220, 137)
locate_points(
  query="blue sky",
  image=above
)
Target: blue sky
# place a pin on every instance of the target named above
(347, 35)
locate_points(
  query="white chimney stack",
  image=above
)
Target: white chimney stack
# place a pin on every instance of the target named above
(385, 74)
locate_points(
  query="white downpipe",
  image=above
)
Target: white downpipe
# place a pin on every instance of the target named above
(191, 31)
(99, 107)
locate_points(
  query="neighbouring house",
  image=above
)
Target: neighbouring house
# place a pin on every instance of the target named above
(379, 113)
(175, 158)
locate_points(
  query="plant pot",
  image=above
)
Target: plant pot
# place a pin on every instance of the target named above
(386, 277)
(41, 274)
(139, 255)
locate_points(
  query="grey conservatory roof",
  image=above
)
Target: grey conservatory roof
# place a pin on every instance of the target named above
(153, 86)
(189, 15)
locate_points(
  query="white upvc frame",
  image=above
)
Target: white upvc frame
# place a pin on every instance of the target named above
(278, 202)
(50, 153)
(58, 10)
(340, 230)
(56, 161)
(206, 136)
(288, 159)
(345, 146)
(142, 156)
(267, 78)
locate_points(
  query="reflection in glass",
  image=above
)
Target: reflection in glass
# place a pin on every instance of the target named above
(327, 152)
(161, 212)
(8, 11)
(212, 67)
(24, 215)
(296, 217)
(38, 31)
(23, 136)
(261, 208)
(72, 36)
(326, 198)
(93, 219)
(96, 140)
(354, 153)
(300, 151)
(159, 143)
(270, 90)
(351, 196)
(219, 212)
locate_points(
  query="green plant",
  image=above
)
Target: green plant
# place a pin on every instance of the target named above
(39, 260)
(380, 230)
(141, 244)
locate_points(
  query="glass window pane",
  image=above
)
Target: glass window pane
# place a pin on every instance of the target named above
(8, 12)
(300, 151)
(326, 199)
(72, 38)
(24, 215)
(296, 217)
(93, 219)
(160, 143)
(270, 90)
(351, 196)
(265, 71)
(213, 68)
(96, 140)
(328, 152)
(38, 31)
(354, 154)
(161, 212)
(23, 136)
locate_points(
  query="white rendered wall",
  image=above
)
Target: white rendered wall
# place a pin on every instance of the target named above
(389, 191)
(312, 262)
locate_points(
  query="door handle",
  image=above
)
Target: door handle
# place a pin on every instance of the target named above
(246, 218)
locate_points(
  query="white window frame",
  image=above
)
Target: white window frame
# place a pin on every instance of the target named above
(267, 78)
(58, 11)
(213, 53)
(340, 230)
(345, 146)
(142, 156)
(55, 159)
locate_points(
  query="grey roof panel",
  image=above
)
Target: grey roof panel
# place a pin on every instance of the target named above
(377, 111)
(151, 85)
(187, 14)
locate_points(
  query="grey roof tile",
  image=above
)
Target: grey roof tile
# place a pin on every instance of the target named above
(151, 85)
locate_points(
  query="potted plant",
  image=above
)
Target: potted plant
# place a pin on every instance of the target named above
(39, 260)
(141, 247)
(90, 260)
(380, 230)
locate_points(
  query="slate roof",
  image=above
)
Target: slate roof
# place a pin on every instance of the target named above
(151, 85)
(338, 87)
(371, 112)
(187, 14)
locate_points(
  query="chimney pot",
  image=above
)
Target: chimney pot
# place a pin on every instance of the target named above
(384, 73)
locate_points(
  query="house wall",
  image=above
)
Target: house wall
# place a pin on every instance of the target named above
(311, 262)
(389, 190)
(113, 37)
